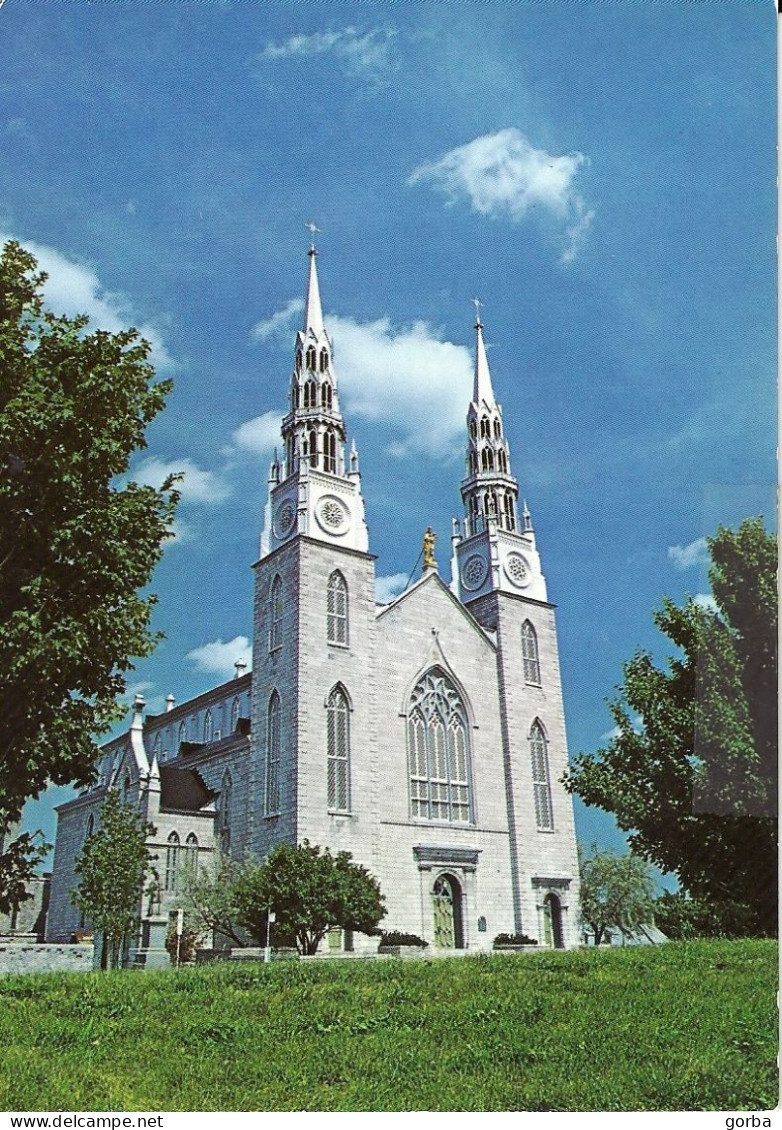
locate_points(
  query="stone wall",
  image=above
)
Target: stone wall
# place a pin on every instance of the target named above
(15, 958)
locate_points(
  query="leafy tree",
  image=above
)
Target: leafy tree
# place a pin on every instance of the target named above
(616, 890)
(75, 544)
(309, 891)
(680, 916)
(210, 897)
(695, 781)
(17, 866)
(113, 865)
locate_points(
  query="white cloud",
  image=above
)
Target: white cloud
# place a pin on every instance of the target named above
(218, 658)
(706, 601)
(279, 321)
(364, 54)
(503, 175)
(259, 435)
(386, 588)
(687, 556)
(406, 379)
(197, 485)
(73, 288)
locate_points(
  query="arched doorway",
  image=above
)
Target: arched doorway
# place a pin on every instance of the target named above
(447, 913)
(552, 922)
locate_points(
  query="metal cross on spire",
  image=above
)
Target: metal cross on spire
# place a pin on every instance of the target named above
(477, 304)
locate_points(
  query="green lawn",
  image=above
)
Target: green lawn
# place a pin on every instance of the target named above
(687, 1026)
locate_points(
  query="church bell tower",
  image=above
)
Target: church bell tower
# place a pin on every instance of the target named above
(313, 620)
(494, 548)
(496, 573)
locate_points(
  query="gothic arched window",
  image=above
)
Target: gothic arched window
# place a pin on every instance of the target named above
(324, 360)
(298, 360)
(485, 432)
(208, 730)
(234, 714)
(191, 854)
(273, 755)
(541, 782)
(529, 653)
(473, 429)
(502, 462)
(313, 448)
(338, 750)
(473, 463)
(182, 732)
(90, 827)
(337, 609)
(330, 452)
(310, 395)
(325, 395)
(311, 360)
(439, 751)
(172, 862)
(224, 806)
(295, 397)
(510, 513)
(157, 746)
(277, 608)
(497, 429)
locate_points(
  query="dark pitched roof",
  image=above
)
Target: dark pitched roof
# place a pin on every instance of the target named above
(183, 789)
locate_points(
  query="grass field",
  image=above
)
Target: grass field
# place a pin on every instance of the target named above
(687, 1026)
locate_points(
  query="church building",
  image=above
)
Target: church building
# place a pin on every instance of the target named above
(426, 736)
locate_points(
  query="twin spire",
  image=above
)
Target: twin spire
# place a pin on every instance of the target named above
(314, 432)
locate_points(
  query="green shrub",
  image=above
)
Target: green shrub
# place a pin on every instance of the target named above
(681, 918)
(515, 940)
(398, 938)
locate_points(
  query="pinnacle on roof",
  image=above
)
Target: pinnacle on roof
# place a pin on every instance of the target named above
(313, 314)
(482, 390)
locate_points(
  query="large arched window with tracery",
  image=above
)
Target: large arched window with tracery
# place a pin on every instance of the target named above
(337, 609)
(273, 756)
(338, 750)
(541, 780)
(529, 654)
(439, 749)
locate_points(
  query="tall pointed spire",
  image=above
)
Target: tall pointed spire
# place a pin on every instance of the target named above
(313, 312)
(482, 393)
(301, 485)
(489, 491)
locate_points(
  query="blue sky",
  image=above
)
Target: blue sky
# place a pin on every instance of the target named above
(601, 175)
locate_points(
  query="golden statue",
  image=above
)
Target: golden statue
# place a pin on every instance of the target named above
(430, 537)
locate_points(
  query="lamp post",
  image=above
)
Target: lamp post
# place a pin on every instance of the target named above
(270, 917)
(180, 925)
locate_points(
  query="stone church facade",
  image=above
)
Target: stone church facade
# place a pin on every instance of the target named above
(426, 736)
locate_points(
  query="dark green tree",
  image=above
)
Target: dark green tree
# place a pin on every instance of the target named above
(76, 545)
(112, 866)
(616, 890)
(695, 782)
(18, 862)
(309, 891)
